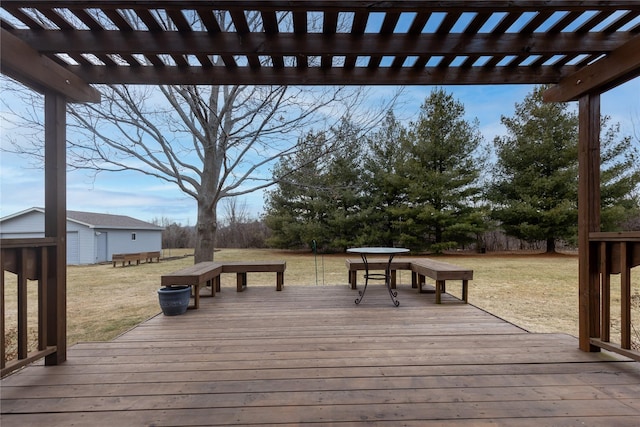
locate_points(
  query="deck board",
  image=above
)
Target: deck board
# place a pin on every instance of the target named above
(310, 355)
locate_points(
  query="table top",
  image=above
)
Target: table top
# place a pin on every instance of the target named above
(378, 250)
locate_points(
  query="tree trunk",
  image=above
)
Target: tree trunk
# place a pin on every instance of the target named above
(205, 232)
(551, 245)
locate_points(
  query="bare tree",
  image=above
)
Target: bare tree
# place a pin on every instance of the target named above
(235, 212)
(212, 142)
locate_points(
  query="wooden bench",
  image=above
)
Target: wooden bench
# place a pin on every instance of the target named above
(208, 274)
(135, 257)
(197, 275)
(355, 265)
(241, 268)
(440, 272)
(420, 269)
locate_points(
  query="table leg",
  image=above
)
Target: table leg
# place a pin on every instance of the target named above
(366, 279)
(386, 277)
(393, 294)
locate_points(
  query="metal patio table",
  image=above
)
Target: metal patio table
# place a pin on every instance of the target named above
(386, 276)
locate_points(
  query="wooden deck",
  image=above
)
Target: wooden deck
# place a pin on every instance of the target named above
(310, 355)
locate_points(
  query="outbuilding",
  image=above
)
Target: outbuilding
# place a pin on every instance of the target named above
(91, 237)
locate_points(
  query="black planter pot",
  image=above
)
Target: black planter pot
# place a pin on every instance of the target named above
(174, 300)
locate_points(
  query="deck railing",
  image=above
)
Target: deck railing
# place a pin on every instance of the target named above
(29, 261)
(616, 253)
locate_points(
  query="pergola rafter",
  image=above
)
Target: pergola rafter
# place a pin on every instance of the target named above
(399, 42)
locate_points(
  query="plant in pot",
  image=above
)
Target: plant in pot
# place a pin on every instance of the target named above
(174, 300)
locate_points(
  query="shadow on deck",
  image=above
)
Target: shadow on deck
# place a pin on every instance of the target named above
(310, 355)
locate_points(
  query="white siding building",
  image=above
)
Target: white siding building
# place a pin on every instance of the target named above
(91, 237)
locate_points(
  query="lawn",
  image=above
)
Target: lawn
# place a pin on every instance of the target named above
(534, 291)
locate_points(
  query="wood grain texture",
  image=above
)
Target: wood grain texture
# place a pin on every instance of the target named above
(310, 355)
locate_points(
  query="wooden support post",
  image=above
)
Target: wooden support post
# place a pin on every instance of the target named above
(55, 223)
(588, 219)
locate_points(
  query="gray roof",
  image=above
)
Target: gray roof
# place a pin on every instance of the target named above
(97, 220)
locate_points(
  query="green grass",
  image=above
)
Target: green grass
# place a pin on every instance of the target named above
(536, 292)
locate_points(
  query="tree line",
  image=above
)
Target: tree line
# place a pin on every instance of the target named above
(237, 229)
(433, 184)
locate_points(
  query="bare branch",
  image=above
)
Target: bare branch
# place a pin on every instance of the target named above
(212, 142)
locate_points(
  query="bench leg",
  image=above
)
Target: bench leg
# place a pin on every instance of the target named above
(414, 279)
(440, 287)
(195, 290)
(216, 283)
(393, 279)
(353, 278)
(241, 281)
(465, 291)
(212, 283)
(279, 280)
(421, 282)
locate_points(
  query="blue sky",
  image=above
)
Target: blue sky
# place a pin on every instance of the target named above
(145, 198)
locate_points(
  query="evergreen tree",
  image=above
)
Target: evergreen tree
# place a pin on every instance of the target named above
(294, 209)
(318, 193)
(383, 187)
(535, 183)
(535, 188)
(441, 176)
(343, 195)
(619, 178)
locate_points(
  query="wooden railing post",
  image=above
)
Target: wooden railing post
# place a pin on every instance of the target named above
(3, 310)
(605, 292)
(619, 254)
(28, 261)
(625, 295)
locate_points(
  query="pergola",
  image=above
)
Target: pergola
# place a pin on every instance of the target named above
(62, 47)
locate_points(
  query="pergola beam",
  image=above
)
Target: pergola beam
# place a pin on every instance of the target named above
(26, 65)
(315, 44)
(623, 64)
(346, 5)
(317, 75)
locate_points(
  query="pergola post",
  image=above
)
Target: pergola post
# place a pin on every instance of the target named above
(55, 223)
(588, 219)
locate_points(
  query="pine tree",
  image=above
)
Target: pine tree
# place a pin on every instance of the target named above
(383, 187)
(535, 187)
(535, 182)
(619, 177)
(318, 196)
(442, 176)
(294, 208)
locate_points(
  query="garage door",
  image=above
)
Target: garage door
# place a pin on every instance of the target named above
(73, 248)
